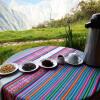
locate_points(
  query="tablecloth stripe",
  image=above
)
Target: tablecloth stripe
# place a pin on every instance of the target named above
(52, 82)
(85, 84)
(40, 52)
(54, 91)
(51, 77)
(84, 79)
(89, 85)
(21, 77)
(52, 94)
(36, 54)
(73, 84)
(97, 85)
(54, 85)
(37, 84)
(63, 82)
(61, 51)
(73, 77)
(22, 54)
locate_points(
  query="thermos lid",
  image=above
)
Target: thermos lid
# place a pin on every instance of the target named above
(94, 21)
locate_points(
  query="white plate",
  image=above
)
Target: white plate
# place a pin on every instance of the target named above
(53, 61)
(80, 61)
(20, 67)
(14, 64)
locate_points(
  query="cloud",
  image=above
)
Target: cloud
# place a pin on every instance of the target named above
(44, 10)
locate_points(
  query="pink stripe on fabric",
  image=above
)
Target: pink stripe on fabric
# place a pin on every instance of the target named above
(96, 86)
(23, 78)
(27, 52)
(25, 56)
(24, 81)
(36, 54)
(56, 83)
(66, 85)
(86, 82)
(9, 91)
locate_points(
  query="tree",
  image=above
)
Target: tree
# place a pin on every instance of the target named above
(88, 8)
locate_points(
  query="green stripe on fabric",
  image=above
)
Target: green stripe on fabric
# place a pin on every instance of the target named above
(60, 85)
(89, 88)
(79, 84)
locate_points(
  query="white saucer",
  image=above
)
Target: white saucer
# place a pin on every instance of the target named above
(80, 61)
(14, 64)
(22, 70)
(53, 61)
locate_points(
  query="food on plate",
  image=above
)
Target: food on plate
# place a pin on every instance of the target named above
(28, 66)
(47, 63)
(7, 68)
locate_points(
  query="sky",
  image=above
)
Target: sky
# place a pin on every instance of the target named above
(24, 1)
(38, 11)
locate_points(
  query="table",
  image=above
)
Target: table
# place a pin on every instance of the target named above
(63, 82)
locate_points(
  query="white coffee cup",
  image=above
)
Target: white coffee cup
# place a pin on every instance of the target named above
(61, 59)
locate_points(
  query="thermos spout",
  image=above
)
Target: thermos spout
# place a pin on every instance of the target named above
(87, 25)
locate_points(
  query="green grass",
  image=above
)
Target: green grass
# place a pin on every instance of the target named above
(33, 34)
(79, 38)
(42, 33)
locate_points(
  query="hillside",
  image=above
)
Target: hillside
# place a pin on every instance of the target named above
(42, 33)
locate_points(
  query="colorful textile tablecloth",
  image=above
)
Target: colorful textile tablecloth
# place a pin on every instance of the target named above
(65, 82)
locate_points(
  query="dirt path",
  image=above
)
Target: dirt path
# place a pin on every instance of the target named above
(27, 42)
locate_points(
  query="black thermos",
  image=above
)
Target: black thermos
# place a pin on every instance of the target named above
(92, 49)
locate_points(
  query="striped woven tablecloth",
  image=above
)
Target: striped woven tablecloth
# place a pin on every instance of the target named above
(65, 82)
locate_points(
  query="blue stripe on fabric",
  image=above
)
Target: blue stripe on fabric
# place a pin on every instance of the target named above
(32, 59)
(67, 79)
(98, 87)
(47, 86)
(84, 81)
(23, 53)
(87, 87)
(94, 84)
(79, 84)
(29, 84)
(60, 50)
(62, 84)
(80, 69)
(28, 54)
(29, 90)
(25, 60)
(38, 83)
(53, 84)
(72, 93)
